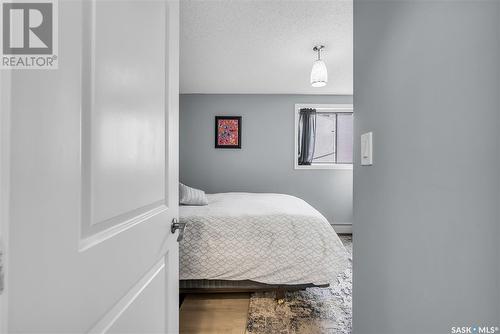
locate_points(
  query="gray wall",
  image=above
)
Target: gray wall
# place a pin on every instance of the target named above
(265, 162)
(426, 218)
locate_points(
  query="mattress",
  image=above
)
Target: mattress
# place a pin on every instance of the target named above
(265, 238)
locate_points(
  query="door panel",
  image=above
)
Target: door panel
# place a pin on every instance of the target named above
(126, 125)
(123, 121)
(145, 313)
(94, 175)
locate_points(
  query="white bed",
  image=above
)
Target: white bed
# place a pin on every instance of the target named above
(267, 238)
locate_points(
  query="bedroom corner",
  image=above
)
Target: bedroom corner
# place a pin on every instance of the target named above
(266, 167)
(250, 166)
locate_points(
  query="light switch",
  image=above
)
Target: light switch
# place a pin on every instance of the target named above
(366, 149)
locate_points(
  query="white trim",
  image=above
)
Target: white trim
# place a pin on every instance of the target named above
(109, 319)
(337, 108)
(5, 140)
(172, 27)
(342, 228)
(325, 166)
(172, 104)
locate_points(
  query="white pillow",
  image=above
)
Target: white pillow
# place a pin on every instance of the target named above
(191, 196)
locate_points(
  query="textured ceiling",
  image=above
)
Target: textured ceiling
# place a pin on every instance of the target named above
(264, 47)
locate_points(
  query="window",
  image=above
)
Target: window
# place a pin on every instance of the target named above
(323, 136)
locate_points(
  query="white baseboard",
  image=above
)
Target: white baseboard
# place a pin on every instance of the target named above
(343, 228)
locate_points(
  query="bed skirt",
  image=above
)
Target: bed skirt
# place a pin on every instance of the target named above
(221, 286)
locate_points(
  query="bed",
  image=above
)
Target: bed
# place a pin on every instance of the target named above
(257, 241)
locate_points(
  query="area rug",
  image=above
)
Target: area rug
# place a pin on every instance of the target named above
(313, 311)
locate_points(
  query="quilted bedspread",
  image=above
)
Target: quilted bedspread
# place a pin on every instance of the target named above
(267, 238)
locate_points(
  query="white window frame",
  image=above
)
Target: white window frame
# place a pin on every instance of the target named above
(327, 108)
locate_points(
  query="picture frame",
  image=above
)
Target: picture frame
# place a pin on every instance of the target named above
(228, 132)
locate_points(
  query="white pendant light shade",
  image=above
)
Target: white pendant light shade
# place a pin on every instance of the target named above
(319, 74)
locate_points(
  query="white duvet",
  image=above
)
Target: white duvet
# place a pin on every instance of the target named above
(267, 238)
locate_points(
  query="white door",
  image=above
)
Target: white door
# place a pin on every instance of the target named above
(94, 175)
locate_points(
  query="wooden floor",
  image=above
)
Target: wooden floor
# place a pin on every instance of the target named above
(221, 313)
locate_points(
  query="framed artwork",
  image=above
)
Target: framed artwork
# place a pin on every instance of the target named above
(227, 131)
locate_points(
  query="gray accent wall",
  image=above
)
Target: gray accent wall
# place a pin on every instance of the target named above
(426, 217)
(265, 161)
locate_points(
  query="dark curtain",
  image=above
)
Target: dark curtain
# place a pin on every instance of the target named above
(307, 135)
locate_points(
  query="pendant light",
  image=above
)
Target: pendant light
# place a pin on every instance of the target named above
(319, 74)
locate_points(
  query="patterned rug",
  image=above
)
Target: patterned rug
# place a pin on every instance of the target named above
(313, 311)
